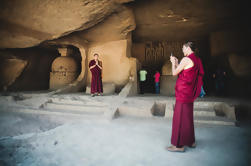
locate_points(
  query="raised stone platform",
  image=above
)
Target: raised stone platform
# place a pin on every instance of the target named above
(211, 111)
(108, 88)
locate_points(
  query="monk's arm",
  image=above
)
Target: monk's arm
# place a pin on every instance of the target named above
(177, 68)
(92, 66)
(100, 66)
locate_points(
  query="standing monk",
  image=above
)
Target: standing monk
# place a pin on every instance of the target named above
(95, 66)
(188, 86)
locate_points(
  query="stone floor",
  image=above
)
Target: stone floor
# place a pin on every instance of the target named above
(33, 134)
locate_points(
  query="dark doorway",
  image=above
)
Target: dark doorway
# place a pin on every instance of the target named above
(150, 84)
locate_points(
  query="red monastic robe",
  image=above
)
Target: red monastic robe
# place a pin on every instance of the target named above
(187, 89)
(96, 81)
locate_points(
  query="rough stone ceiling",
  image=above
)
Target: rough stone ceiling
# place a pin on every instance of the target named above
(26, 23)
(185, 19)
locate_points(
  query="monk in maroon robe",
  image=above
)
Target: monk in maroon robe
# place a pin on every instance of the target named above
(188, 86)
(95, 66)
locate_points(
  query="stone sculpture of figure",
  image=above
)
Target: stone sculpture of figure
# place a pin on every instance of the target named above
(161, 51)
(149, 53)
(188, 86)
(95, 66)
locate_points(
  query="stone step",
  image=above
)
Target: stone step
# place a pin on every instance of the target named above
(134, 111)
(204, 113)
(78, 102)
(200, 105)
(197, 112)
(197, 107)
(142, 112)
(205, 104)
(211, 121)
(203, 109)
(66, 114)
(77, 109)
(81, 112)
(217, 120)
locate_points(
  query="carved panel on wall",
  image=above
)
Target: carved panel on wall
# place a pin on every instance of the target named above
(157, 53)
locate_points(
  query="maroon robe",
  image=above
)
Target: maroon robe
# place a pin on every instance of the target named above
(187, 89)
(96, 81)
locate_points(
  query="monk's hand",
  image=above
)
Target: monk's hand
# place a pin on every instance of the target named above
(173, 59)
(176, 61)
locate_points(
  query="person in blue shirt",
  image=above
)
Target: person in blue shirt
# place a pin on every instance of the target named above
(202, 92)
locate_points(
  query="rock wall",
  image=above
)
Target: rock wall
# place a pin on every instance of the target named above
(155, 54)
(10, 70)
(240, 64)
(112, 39)
(132, 86)
(167, 68)
(115, 60)
(27, 23)
(229, 41)
(110, 36)
(30, 70)
(167, 85)
(230, 52)
(117, 26)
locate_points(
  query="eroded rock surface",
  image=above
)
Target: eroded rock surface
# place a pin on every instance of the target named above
(27, 23)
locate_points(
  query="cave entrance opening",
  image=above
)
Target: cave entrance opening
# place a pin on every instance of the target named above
(149, 85)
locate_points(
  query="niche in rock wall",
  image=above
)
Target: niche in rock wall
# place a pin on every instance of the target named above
(65, 68)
